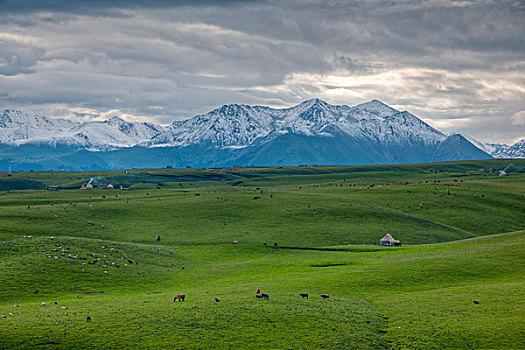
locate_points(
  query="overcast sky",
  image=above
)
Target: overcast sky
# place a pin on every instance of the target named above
(458, 65)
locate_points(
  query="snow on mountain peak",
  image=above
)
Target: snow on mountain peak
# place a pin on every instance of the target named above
(313, 102)
(516, 150)
(498, 150)
(114, 121)
(17, 127)
(228, 126)
(377, 108)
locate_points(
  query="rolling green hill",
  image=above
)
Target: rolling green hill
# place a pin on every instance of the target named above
(300, 230)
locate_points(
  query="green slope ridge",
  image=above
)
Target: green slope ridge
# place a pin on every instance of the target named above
(312, 230)
(412, 297)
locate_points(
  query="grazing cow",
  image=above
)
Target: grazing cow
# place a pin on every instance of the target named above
(476, 302)
(179, 297)
(304, 295)
(257, 296)
(265, 296)
(88, 319)
(217, 300)
(158, 238)
(325, 296)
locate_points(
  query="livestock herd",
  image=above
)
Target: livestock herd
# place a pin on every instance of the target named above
(258, 295)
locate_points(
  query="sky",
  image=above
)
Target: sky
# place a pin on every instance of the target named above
(458, 65)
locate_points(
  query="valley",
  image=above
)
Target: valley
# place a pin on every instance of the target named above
(457, 281)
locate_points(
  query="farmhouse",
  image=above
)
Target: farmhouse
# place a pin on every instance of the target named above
(389, 241)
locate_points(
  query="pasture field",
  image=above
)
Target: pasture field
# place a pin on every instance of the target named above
(458, 281)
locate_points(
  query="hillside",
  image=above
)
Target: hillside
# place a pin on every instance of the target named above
(456, 282)
(431, 297)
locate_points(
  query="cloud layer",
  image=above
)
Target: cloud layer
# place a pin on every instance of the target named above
(457, 64)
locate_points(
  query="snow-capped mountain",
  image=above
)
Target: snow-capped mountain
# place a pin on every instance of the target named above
(313, 132)
(115, 133)
(516, 150)
(241, 125)
(498, 150)
(227, 126)
(19, 128)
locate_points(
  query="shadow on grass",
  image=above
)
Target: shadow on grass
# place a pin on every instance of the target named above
(352, 249)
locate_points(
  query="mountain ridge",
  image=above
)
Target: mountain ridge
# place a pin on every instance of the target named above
(368, 133)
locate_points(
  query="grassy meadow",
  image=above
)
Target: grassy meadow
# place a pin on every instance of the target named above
(458, 281)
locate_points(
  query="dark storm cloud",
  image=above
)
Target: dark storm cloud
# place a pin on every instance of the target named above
(458, 64)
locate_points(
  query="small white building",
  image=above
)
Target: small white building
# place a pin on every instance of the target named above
(389, 241)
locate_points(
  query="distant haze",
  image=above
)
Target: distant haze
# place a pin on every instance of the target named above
(459, 65)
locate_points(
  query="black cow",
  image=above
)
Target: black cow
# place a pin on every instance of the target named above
(325, 296)
(303, 295)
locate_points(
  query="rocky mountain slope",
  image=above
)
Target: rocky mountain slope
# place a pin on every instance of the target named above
(313, 132)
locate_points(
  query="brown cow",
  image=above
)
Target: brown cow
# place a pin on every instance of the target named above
(179, 297)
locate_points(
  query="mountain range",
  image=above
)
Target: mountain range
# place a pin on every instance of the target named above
(313, 132)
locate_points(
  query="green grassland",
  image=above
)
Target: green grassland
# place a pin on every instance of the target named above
(312, 230)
